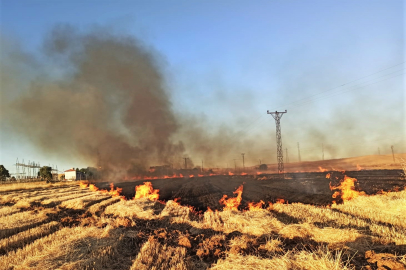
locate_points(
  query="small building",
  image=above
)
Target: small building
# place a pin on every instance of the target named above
(72, 174)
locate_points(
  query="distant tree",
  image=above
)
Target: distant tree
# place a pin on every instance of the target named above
(45, 172)
(3, 173)
(263, 167)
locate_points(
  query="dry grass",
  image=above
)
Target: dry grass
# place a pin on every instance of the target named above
(68, 248)
(22, 238)
(15, 223)
(94, 231)
(102, 205)
(83, 202)
(321, 259)
(154, 255)
(33, 185)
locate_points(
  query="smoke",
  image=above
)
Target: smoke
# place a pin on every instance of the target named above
(102, 98)
(104, 101)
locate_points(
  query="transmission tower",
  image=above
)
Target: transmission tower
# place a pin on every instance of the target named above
(185, 158)
(322, 150)
(298, 152)
(277, 116)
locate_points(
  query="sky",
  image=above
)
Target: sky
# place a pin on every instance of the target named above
(337, 67)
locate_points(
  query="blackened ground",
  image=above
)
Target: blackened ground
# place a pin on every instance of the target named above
(310, 188)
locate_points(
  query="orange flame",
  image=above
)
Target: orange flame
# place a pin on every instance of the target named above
(232, 203)
(359, 167)
(346, 189)
(82, 185)
(328, 176)
(282, 201)
(230, 173)
(146, 191)
(115, 192)
(93, 187)
(322, 169)
(244, 173)
(255, 206)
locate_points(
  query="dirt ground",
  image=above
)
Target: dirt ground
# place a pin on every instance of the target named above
(309, 188)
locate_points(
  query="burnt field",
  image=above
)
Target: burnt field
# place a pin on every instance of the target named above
(307, 187)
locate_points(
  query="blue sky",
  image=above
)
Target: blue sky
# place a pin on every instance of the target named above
(229, 61)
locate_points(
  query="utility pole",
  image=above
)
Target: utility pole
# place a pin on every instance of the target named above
(277, 116)
(287, 157)
(185, 158)
(243, 164)
(235, 166)
(298, 152)
(202, 165)
(322, 150)
(393, 153)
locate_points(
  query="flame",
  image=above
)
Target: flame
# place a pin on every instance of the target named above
(270, 206)
(244, 173)
(322, 169)
(255, 206)
(191, 176)
(230, 173)
(282, 201)
(146, 191)
(93, 187)
(359, 167)
(82, 185)
(328, 176)
(209, 210)
(115, 192)
(232, 203)
(346, 189)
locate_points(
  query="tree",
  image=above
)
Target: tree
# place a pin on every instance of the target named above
(45, 172)
(3, 173)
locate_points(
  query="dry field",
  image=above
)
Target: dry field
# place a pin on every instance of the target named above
(72, 226)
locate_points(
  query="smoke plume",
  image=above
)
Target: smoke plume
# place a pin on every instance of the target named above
(108, 106)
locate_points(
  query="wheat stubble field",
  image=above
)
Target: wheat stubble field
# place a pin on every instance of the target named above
(77, 226)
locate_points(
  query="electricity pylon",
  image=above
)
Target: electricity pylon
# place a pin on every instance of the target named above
(277, 116)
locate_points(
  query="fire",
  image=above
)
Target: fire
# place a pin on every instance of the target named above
(244, 173)
(115, 192)
(282, 201)
(93, 187)
(328, 176)
(232, 203)
(359, 167)
(322, 169)
(82, 185)
(255, 206)
(346, 189)
(146, 191)
(230, 173)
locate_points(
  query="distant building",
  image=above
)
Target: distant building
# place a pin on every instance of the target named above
(72, 174)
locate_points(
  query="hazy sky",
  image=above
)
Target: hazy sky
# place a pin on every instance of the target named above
(336, 66)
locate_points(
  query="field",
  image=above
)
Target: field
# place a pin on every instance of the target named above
(262, 223)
